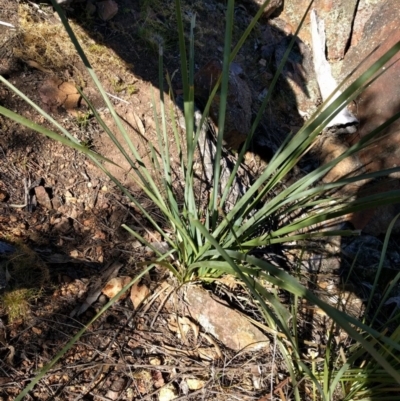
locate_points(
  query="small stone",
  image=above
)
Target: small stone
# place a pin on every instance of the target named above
(62, 225)
(195, 384)
(43, 198)
(107, 9)
(3, 195)
(238, 115)
(90, 8)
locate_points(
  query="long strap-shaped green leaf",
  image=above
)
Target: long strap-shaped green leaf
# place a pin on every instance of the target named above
(264, 104)
(299, 189)
(300, 137)
(289, 283)
(51, 134)
(222, 111)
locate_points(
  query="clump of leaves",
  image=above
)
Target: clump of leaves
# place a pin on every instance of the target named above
(26, 275)
(16, 302)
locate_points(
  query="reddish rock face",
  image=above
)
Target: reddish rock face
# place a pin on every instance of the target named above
(107, 9)
(365, 9)
(238, 114)
(338, 16)
(377, 103)
(273, 8)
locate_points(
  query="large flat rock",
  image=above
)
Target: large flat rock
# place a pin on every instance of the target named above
(223, 322)
(338, 16)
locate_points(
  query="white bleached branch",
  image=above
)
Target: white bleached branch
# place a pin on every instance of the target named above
(345, 121)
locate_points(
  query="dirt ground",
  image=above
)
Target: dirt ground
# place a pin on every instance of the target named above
(64, 216)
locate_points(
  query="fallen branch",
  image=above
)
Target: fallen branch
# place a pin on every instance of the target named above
(7, 24)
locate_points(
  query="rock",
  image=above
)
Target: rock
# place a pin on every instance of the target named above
(224, 323)
(344, 122)
(90, 8)
(43, 198)
(55, 93)
(298, 86)
(273, 8)
(328, 147)
(167, 393)
(365, 8)
(338, 16)
(299, 74)
(3, 195)
(107, 9)
(238, 114)
(366, 250)
(375, 105)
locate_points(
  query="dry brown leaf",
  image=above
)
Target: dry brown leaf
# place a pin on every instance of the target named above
(213, 342)
(143, 381)
(179, 352)
(173, 324)
(74, 253)
(99, 234)
(10, 356)
(156, 361)
(115, 285)
(230, 281)
(112, 395)
(116, 389)
(195, 384)
(183, 326)
(136, 122)
(158, 380)
(3, 195)
(36, 330)
(207, 354)
(167, 393)
(138, 294)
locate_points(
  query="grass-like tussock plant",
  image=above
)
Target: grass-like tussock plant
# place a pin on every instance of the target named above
(207, 242)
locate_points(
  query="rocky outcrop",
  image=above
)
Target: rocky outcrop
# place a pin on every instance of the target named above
(375, 105)
(338, 16)
(272, 9)
(238, 114)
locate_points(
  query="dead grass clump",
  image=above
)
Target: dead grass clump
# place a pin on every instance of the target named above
(49, 45)
(16, 303)
(39, 40)
(27, 275)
